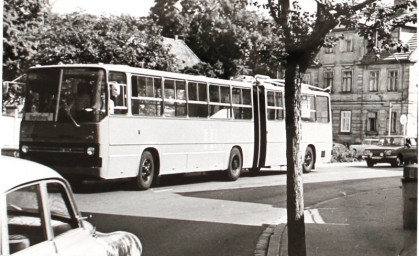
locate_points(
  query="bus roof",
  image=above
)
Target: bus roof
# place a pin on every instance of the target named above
(150, 72)
(267, 82)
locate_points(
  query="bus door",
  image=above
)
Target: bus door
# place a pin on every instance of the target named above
(259, 113)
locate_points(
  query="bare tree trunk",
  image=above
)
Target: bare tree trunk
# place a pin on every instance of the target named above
(295, 196)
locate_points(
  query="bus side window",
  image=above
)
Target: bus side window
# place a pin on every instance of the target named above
(308, 108)
(197, 100)
(322, 104)
(119, 99)
(219, 102)
(242, 108)
(174, 98)
(146, 96)
(275, 108)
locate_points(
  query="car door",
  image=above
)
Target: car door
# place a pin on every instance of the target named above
(410, 152)
(71, 237)
(27, 228)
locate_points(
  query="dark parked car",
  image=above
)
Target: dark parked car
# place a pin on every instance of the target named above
(395, 150)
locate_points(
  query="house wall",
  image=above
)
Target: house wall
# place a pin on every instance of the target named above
(360, 101)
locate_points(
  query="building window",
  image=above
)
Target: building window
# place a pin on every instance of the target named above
(329, 49)
(345, 121)
(347, 81)
(348, 47)
(307, 78)
(393, 122)
(372, 122)
(393, 76)
(373, 81)
(328, 79)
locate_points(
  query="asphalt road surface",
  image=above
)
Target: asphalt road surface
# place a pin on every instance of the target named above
(205, 215)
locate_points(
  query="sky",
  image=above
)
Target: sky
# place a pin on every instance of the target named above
(137, 8)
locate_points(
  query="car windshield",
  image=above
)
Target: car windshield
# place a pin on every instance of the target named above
(65, 95)
(370, 142)
(391, 141)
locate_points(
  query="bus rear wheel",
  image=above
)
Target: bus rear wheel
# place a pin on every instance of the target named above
(308, 160)
(146, 171)
(235, 164)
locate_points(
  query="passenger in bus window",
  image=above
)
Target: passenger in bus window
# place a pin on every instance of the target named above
(115, 90)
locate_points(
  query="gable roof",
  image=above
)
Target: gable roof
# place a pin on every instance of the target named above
(184, 56)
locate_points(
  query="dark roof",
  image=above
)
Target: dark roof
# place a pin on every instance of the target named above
(402, 56)
(184, 56)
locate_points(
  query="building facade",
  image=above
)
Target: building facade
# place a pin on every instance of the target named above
(369, 93)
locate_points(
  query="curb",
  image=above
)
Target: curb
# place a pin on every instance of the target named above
(273, 241)
(263, 243)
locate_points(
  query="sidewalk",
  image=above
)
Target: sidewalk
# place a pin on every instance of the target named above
(367, 223)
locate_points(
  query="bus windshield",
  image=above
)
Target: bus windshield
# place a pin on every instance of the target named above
(74, 95)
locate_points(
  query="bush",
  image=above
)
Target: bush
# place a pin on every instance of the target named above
(340, 153)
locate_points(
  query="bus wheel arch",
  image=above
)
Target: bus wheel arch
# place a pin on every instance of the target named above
(235, 164)
(309, 159)
(148, 169)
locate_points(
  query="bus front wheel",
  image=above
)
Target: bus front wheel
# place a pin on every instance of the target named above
(308, 160)
(235, 164)
(146, 171)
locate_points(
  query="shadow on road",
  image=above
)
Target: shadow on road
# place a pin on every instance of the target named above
(89, 187)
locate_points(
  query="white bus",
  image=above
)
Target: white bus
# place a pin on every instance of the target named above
(113, 121)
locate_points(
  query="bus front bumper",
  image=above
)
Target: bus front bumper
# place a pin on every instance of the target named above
(86, 173)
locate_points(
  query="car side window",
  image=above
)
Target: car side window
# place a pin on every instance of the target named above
(25, 223)
(61, 211)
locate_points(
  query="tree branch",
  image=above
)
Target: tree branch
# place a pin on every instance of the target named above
(362, 5)
(284, 6)
(274, 11)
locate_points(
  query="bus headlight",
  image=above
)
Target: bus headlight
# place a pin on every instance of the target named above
(90, 151)
(25, 149)
(367, 153)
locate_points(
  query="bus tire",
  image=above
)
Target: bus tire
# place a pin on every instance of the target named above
(146, 171)
(308, 160)
(235, 164)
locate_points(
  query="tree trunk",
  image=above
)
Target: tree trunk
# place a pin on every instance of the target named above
(295, 197)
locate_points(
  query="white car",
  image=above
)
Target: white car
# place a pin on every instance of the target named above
(39, 216)
(366, 143)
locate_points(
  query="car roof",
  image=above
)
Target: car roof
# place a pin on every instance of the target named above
(396, 136)
(16, 171)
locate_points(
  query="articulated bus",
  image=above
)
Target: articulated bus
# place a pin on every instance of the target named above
(105, 122)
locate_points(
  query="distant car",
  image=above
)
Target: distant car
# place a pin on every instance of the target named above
(39, 216)
(366, 143)
(394, 150)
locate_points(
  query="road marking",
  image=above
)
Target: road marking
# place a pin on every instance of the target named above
(313, 216)
(163, 190)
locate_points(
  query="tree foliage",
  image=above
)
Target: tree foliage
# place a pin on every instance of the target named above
(84, 38)
(21, 21)
(166, 14)
(223, 33)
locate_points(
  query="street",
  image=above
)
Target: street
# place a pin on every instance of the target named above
(205, 215)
